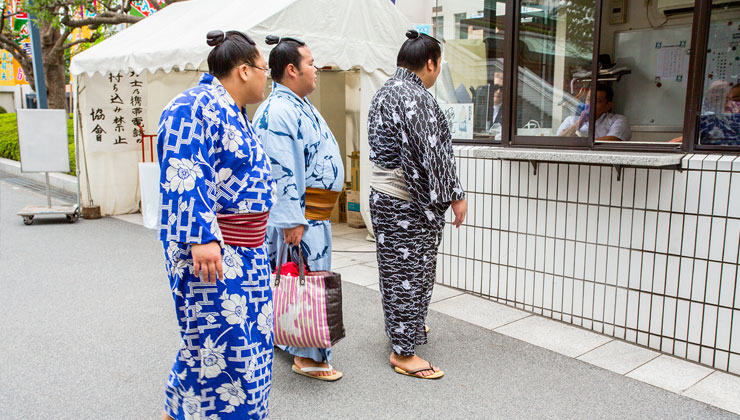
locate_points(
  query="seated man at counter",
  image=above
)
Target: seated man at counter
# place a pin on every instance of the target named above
(609, 126)
(497, 110)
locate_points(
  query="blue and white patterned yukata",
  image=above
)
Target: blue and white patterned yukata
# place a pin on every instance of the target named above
(303, 153)
(212, 162)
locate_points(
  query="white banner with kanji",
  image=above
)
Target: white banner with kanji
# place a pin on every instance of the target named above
(114, 115)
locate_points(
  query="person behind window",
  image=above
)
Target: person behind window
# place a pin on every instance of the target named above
(498, 98)
(732, 103)
(720, 119)
(609, 126)
(722, 128)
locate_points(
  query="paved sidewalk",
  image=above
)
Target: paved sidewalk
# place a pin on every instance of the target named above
(88, 331)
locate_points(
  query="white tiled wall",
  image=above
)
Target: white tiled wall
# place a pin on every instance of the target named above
(651, 259)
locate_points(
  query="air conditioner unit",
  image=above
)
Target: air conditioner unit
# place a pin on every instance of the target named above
(670, 8)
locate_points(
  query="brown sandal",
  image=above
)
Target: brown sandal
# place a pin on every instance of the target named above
(413, 373)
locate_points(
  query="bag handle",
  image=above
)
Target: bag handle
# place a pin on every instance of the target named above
(301, 265)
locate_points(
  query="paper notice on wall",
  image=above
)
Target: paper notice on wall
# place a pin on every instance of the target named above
(460, 119)
(114, 114)
(670, 62)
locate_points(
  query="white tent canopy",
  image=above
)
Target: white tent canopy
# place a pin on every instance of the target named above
(168, 45)
(345, 34)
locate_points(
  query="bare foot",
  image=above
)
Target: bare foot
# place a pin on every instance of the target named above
(411, 363)
(303, 362)
(166, 416)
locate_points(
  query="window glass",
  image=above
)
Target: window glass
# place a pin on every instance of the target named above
(719, 116)
(554, 50)
(469, 87)
(439, 27)
(643, 77)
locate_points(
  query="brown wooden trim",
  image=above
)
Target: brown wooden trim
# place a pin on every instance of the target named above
(489, 140)
(627, 147)
(697, 63)
(574, 142)
(594, 73)
(726, 150)
(510, 62)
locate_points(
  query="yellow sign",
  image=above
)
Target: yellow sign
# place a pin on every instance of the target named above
(11, 72)
(20, 78)
(7, 71)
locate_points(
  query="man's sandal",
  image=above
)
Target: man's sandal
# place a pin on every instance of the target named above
(413, 373)
(306, 371)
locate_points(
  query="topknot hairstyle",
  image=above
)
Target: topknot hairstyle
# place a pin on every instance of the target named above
(230, 49)
(417, 50)
(286, 51)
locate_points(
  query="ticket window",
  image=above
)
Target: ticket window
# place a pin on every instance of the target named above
(644, 53)
(554, 49)
(470, 85)
(719, 116)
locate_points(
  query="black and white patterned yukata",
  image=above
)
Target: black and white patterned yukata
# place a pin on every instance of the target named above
(407, 130)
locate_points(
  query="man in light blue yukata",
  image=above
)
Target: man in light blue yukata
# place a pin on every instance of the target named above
(308, 169)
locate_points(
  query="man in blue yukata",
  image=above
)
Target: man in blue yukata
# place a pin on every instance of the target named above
(308, 170)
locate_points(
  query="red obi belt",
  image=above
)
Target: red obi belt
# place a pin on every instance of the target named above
(246, 229)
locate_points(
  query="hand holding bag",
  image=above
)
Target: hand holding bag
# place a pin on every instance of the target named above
(307, 307)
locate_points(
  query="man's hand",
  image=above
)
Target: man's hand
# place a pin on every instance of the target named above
(207, 261)
(293, 235)
(459, 208)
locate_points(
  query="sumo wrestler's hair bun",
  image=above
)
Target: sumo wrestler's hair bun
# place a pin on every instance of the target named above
(215, 38)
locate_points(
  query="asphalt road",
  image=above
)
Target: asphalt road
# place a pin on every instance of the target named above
(88, 331)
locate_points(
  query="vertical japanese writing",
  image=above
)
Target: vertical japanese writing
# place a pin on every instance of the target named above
(115, 110)
(137, 121)
(115, 99)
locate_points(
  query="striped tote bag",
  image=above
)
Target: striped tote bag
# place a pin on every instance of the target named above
(307, 307)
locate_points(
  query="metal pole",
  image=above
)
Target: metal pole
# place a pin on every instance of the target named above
(48, 190)
(38, 64)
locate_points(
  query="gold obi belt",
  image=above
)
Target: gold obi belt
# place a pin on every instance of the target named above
(320, 203)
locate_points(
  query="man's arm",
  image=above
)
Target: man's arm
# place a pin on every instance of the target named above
(568, 128)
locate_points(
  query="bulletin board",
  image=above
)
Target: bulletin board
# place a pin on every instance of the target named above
(723, 52)
(42, 138)
(655, 93)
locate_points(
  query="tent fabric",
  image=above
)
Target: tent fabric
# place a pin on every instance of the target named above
(348, 34)
(345, 34)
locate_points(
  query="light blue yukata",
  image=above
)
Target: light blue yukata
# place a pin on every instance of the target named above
(303, 153)
(212, 162)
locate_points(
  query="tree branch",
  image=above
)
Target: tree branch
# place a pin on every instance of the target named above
(59, 44)
(93, 38)
(105, 18)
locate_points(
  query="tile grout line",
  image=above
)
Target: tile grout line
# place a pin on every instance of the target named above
(637, 367)
(696, 383)
(447, 298)
(597, 347)
(511, 322)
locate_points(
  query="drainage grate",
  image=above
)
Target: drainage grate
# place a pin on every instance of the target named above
(56, 193)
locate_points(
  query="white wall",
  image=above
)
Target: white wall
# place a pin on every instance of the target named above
(651, 258)
(417, 11)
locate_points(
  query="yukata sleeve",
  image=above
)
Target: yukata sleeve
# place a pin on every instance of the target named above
(281, 137)
(187, 177)
(427, 158)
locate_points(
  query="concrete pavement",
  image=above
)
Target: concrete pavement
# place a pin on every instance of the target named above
(87, 330)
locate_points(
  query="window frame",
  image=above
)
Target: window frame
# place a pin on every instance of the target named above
(697, 67)
(697, 62)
